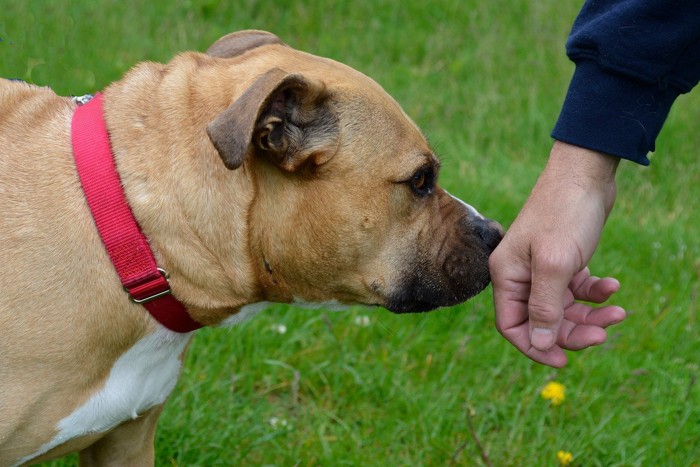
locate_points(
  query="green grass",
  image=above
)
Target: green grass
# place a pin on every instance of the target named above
(485, 81)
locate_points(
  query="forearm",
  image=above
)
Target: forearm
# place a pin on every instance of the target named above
(633, 59)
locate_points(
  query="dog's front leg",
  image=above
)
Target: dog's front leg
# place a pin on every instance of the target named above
(131, 443)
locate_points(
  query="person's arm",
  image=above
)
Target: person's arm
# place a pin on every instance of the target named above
(633, 58)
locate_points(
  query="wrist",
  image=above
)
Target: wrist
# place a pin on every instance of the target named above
(574, 172)
(585, 166)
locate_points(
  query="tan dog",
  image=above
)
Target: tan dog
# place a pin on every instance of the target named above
(259, 174)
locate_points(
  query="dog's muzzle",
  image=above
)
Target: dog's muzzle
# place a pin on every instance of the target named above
(459, 272)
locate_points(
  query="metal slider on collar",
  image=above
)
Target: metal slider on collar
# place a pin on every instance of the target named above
(156, 295)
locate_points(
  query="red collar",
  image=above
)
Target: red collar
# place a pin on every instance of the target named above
(125, 242)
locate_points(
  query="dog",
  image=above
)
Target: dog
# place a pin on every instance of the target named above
(256, 173)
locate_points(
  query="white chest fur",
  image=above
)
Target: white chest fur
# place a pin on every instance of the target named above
(141, 378)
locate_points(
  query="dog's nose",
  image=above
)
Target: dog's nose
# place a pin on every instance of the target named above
(489, 231)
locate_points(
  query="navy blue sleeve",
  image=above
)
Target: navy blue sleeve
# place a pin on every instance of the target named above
(633, 59)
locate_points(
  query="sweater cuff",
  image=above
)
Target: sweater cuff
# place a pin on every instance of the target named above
(611, 114)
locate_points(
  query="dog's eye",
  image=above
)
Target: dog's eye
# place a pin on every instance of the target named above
(423, 181)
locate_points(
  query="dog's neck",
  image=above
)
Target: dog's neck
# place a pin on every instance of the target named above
(192, 209)
(126, 245)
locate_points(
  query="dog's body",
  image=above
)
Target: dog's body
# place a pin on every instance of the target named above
(258, 174)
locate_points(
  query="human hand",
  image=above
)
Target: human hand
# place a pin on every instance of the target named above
(540, 268)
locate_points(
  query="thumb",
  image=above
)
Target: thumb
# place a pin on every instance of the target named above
(550, 281)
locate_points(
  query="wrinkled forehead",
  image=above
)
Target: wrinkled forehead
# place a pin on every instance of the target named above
(374, 113)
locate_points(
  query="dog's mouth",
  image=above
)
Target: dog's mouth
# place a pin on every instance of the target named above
(431, 286)
(417, 300)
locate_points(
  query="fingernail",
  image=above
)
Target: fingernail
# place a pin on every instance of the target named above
(542, 338)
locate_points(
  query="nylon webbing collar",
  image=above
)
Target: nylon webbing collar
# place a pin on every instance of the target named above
(122, 236)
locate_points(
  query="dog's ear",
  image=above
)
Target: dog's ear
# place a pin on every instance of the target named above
(286, 117)
(239, 42)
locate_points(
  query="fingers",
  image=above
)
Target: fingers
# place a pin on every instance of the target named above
(584, 326)
(554, 357)
(591, 288)
(536, 308)
(530, 323)
(582, 314)
(574, 336)
(550, 282)
(519, 336)
(513, 323)
(511, 288)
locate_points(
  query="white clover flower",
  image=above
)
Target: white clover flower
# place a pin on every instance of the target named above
(277, 422)
(362, 321)
(279, 328)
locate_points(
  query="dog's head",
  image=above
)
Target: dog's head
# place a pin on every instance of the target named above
(347, 208)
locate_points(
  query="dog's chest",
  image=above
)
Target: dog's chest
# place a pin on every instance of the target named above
(141, 378)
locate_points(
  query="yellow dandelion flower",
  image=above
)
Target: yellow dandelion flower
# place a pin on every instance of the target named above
(554, 392)
(564, 457)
